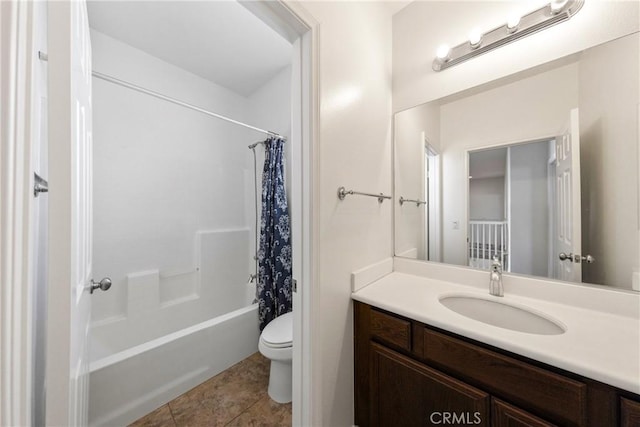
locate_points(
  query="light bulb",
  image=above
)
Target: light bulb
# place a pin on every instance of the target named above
(557, 5)
(475, 37)
(512, 22)
(443, 52)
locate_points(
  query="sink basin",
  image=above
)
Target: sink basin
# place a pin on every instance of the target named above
(502, 315)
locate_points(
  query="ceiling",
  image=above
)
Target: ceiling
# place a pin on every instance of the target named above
(220, 41)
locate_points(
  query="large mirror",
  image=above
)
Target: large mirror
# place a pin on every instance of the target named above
(538, 170)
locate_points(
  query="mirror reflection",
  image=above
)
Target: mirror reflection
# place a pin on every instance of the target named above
(538, 170)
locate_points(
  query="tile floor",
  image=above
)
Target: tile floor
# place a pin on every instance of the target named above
(235, 397)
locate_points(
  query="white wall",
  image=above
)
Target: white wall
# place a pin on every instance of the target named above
(270, 107)
(422, 26)
(529, 208)
(609, 152)
(486, 199)
(173, 195)
(409, 160)
(355, 152)
(538, 106)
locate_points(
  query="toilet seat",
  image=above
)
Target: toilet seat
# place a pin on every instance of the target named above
(279, 332)
(282, 354)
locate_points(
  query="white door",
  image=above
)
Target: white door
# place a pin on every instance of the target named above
(70, 153)
(568, 219)
(432, 205)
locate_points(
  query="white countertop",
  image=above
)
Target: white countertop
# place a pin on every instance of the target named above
(597, 344)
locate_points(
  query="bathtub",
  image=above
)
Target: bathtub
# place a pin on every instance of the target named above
(127, 385)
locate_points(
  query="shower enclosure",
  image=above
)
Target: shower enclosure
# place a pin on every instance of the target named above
(174, 206)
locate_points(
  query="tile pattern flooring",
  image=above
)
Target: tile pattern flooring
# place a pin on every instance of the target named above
(235, 397)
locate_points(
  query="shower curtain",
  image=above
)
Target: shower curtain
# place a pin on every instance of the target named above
(274, 255)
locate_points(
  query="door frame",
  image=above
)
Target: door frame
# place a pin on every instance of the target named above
(491, 146)
(291, 20)
(433, 207)
(305, 165)
(16, 209)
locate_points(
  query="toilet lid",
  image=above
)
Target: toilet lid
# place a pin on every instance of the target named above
(279, 332)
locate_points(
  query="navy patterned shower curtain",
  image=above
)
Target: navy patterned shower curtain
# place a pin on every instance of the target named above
(274, 255)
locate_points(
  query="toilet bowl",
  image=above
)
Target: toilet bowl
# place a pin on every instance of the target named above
(276, 343)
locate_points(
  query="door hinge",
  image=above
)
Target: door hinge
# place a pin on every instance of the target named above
(295, 285)
(40, 185)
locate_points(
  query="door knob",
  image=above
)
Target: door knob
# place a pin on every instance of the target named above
(103, 284)
(564, 257)
(576, 258)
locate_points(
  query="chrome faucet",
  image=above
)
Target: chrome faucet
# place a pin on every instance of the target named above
(495, 279)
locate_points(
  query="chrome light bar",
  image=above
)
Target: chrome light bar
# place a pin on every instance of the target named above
(553, 13)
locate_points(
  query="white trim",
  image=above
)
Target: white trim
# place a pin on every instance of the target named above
(60, 271)
(15, 212)
(507, 196)
(467, 191)
(434, 201)
(294, 23)
(291, 20)
(306, 366)
(424, 191)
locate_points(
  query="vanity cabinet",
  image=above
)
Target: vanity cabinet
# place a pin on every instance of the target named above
(411, 374)
(630, 412)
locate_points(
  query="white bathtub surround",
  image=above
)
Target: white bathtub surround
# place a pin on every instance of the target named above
(127, 385)
(143, 292)
(161, 302)
(602, 337)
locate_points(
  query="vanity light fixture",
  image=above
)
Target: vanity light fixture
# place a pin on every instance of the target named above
(557, 5)
(475, 38)
(515, 28)
(513, 21)
(443, 52)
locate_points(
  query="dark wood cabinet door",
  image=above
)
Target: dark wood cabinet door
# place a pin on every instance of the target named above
(408, 393)
(505, 415)
(629, 413)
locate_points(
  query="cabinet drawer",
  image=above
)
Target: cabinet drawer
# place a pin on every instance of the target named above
(391, 329)
(505, 415)
(554, 397)
(629, 413)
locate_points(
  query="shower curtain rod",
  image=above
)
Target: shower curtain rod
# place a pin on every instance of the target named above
(44, 57)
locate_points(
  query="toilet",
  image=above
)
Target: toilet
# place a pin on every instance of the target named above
(276, 344)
